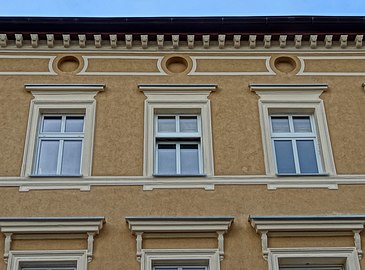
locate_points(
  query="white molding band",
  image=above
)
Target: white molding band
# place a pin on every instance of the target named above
(187, 227)
(283, 226)
(57, 227)
(208, 183)
(18, 258)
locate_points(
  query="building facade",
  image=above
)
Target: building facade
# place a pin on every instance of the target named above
(182, 143)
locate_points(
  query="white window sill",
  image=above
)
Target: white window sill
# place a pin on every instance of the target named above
(301, 174)
(55, 175)
(179, 175)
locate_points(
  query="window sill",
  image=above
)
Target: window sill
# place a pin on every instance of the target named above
(179, 175)
(301, 175)
(55, 176)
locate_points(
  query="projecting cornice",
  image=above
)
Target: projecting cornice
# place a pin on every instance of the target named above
(283, 226)
(51, 228)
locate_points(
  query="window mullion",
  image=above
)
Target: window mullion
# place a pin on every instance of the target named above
(178, 165)
(60, 154)
(296, 156)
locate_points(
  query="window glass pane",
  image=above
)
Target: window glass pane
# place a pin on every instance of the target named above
(280, 124)
(193, 268)
(166, 268)
(189, 159)
(71, 157)
(188, 124)
(51, 124)
(166, 159)
(302, 124)
(307, 156)
(166, 124)
(48, 156)
(284, 156)
(74, 124)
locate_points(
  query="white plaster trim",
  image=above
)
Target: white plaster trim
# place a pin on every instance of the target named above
(208, 183)
(39, 228)
(149, 257)
(50, 65)
(294, 98)
(183, 98)
(327, 255)
(185, 227)
(266, 58)
(116, 73)
(60, 99)
(302, 71)
(18, 258)
(284, 226)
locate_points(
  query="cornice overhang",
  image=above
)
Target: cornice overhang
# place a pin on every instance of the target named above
(284, 226)
(177, 87)
(287, 87)
(50, 228)
(182, 227)
(64, 87)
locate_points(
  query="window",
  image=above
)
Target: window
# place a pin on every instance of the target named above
(177, 145)
(178, 135)
(60, 141)
(295, 135)
(60, 130)
(295, 146)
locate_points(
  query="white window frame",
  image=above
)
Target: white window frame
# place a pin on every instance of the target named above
(198, 257)
(60, 99)
(346, 256)
(177, 99)
(59, 136)
(294, 99)
(181, 136)
(293, 137)
(53, 257)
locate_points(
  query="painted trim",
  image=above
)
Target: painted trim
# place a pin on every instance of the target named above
(21, 257)
(64, 87)
(243, 73)
(50, 65)
(208, 183)
(302, 71)
(302, 256)
(116, 73)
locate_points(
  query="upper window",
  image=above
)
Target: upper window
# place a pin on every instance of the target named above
(178, 135)
(59, 147)
(60, 130)
(295, 146)
(295, 135)
(177, 145)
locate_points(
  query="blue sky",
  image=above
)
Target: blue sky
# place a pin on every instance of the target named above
(152, 8)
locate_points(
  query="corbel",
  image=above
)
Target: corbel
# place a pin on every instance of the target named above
(50, 40)
(82, 41)
(267, 41)
(34, 40)
(237, 41)
(298, 41)
(328, 41)
(221, 244)
(282, 41)
(160, 41)
(128, 41)
(264, 245)
(7, 246)
(66, 40)
(175, 41)
(97, 40)
(144, 41)
(90, 246)
(139, 243)
(18, 40)
(206, 39)
(221, 41)
(358, 41)
(357, 241)
(252, 41)
(343, 41)
(3, 40)
(191, 39)
(313, 41)
(113, 41)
